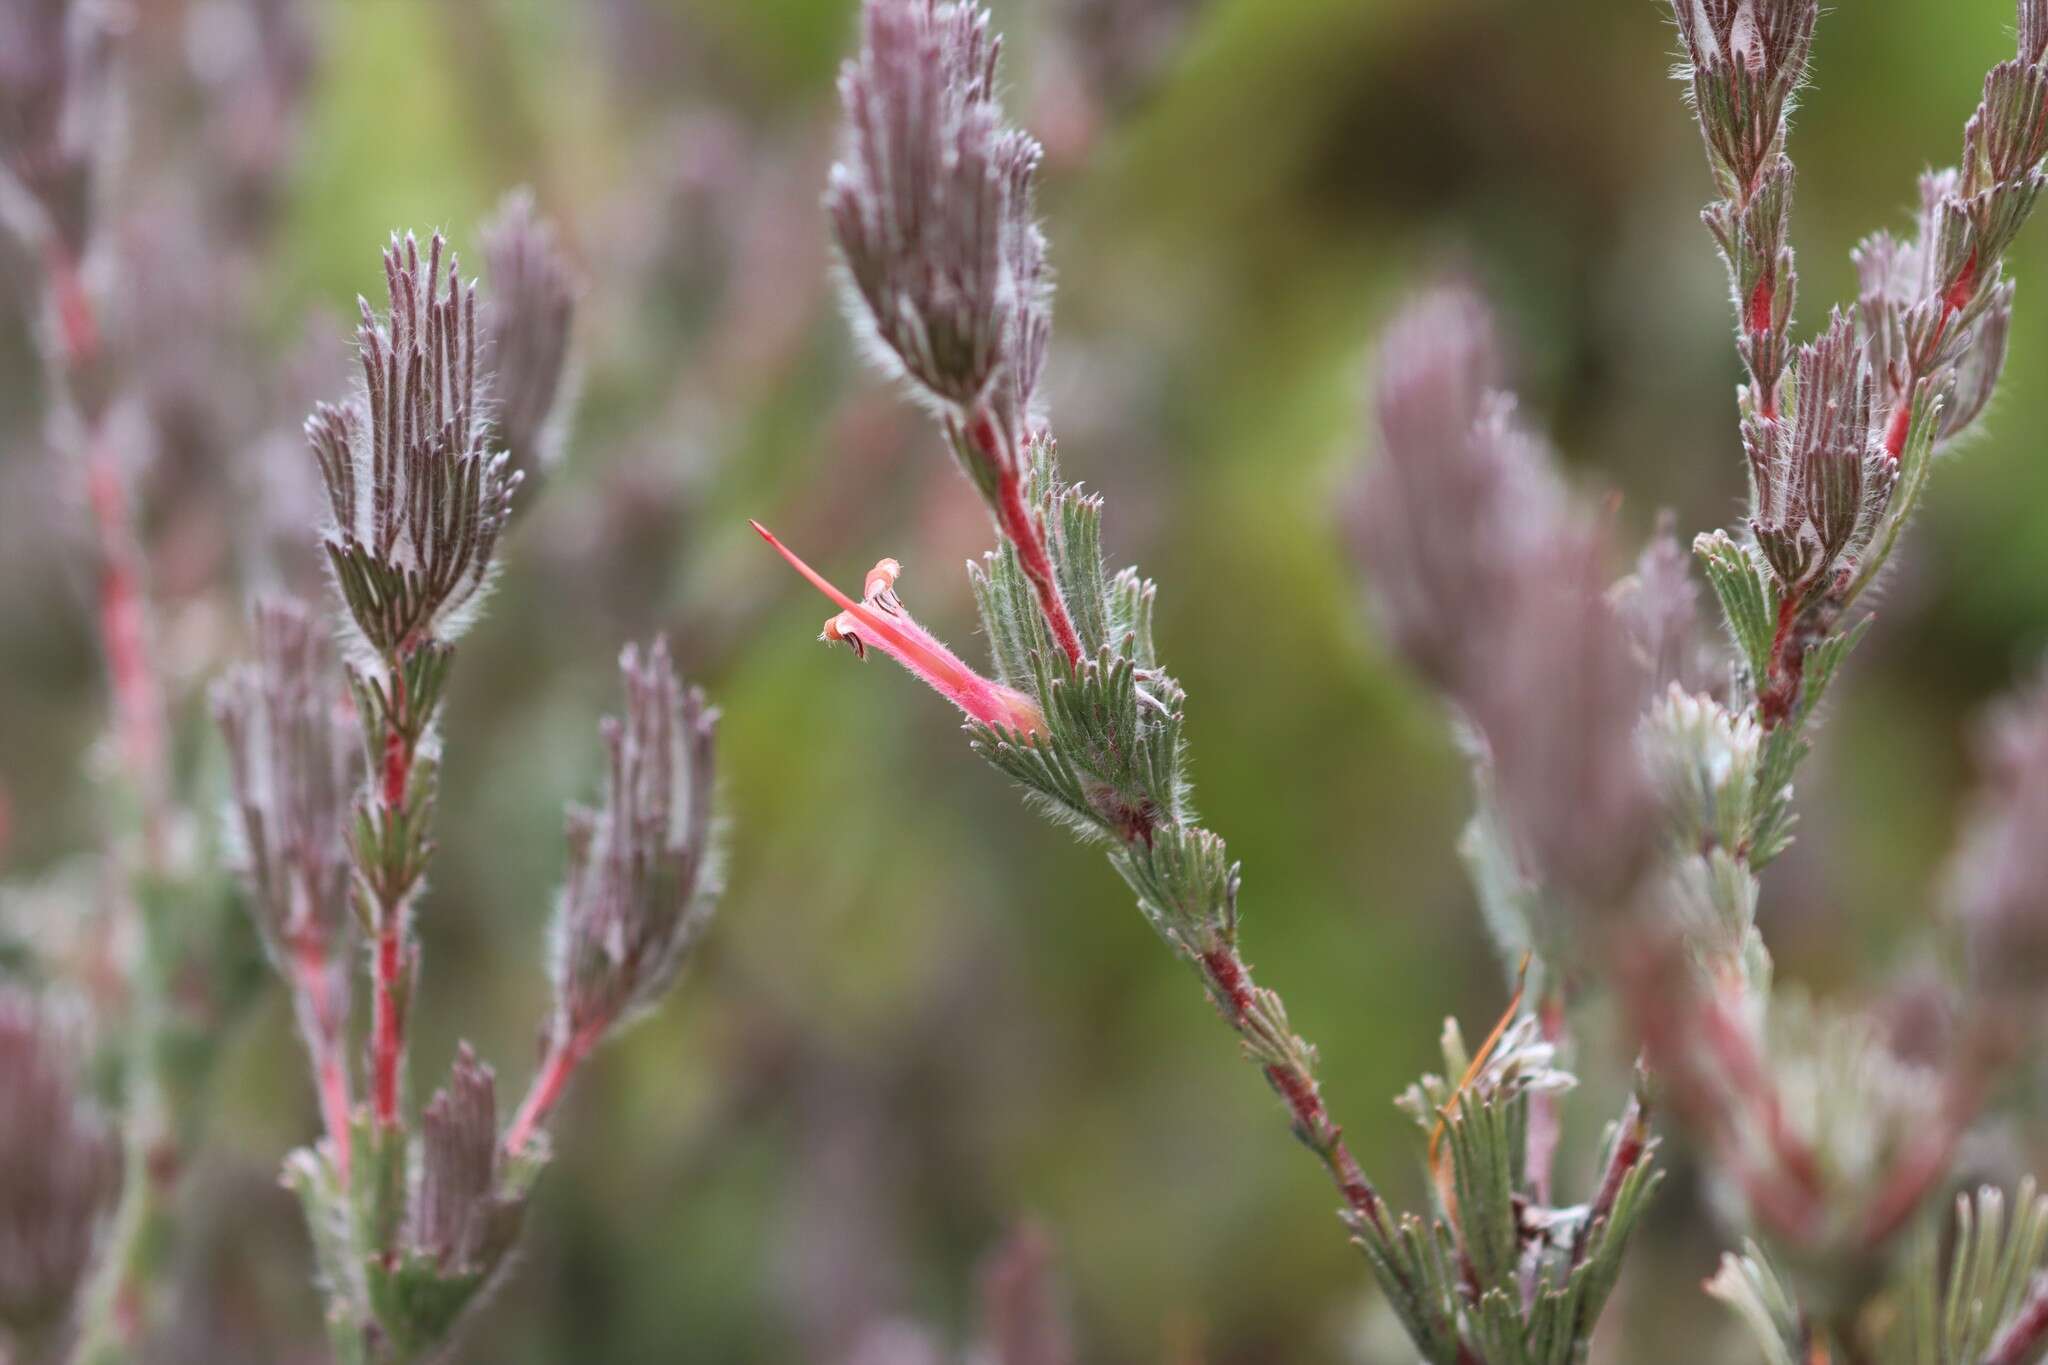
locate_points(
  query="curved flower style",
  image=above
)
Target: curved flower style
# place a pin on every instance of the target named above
(879, 619)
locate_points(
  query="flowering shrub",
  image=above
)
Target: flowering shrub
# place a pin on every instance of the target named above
(411, 1230)
(1632, 772)
(1083, 714)
(333, 778)
(1632, 783)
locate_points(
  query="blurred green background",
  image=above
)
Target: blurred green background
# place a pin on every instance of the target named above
(923, 1016)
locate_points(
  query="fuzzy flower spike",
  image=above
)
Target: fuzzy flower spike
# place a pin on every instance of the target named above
(880, 620)
(418, 495)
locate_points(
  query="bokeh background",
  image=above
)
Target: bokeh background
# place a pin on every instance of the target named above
(925, 1019)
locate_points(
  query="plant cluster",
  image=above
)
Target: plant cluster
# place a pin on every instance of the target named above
(332, 765)
(932, 210)
(335, 798)
(1634, 783)
(1631, 783)
(130, 987)
(1633, 771)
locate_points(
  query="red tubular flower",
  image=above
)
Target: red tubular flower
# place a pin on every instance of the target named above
(880, 620)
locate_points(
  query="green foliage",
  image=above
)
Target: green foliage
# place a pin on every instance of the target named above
(406, 704)
(1747, 593)
(418, 1303)
(332, 1222)
(1961, 1303)
(389, 601)
(1494, 1275)
(1186, 887)
(1751, 1285)
(1727, 780)
(168, 1049)
(1787, 746)
(392, 845)
(1967, 1294)
(390, 1302)
(1827, 657)
(1112, 765)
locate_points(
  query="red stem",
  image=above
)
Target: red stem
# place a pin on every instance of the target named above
(387, 1036)
(1021, 529)
(1297, 1088)
(387, 1042)
(78, 331)
(123, 625)
(1681, 1028)
(324, 1042)
(1790, 1192)
(397, 765)
(1787, 666)
(1628, 1153)
(136, 703)
(1631, 1144)
(564, 1056)
(332, 1078)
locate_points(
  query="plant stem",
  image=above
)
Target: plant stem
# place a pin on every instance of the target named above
(1787, 665)
(1631, 1145)
(1712, 1074)
(322, 1025)
(114, 1308)
(1235, 993)
(1020, 527)
(124, 633)
(387, 1044)
(1023, 531)
(387, 1036)
(123, 611)
(549, 1083)
(1227, 974)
